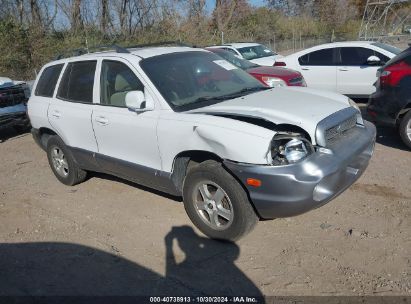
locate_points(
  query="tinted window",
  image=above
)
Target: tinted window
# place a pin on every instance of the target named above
(116, 80)
(77, 82)
(321, 57)
(355, 55)
(48, 79)
(383, 58)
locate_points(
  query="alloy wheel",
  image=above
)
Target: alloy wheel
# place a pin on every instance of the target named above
(213, 205)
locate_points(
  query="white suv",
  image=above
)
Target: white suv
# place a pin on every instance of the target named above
(186, 122)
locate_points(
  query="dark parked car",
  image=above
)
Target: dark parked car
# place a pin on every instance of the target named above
(13, 100)
(270, 76)
(390, 105)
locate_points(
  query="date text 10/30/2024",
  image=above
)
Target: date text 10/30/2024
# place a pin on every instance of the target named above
(239, 299)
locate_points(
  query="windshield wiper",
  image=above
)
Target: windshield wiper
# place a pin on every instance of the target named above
(252, 89)
(204, 98)
(227, 96)
(240, 93)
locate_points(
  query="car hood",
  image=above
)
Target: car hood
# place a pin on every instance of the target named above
(6, 82)
(266, 61)
(301, 107)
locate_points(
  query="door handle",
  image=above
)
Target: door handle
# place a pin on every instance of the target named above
(305, 69)
(343, 69)
(101, 120)
(56, 114)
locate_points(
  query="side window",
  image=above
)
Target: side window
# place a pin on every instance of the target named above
(77, 82)
(230, 50)
(384, 59)
(321, 57)
(356, 56)
(48, 80)
(115, 82)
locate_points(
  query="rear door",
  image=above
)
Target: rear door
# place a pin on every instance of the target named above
(42, 95)
(355, 77)
(319, 69)
(70, 112)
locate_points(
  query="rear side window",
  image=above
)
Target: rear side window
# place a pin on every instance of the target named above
(48, 79)
(77, 82)
(321, 57)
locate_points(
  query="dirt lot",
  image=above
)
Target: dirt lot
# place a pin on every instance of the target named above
(108, 236)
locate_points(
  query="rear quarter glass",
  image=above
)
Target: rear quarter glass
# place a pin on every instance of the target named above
(48, 80)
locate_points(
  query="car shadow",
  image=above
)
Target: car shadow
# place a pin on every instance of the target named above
(203, 267)
(11, 133)
(386, 136)
(390, 137)
(92, 174)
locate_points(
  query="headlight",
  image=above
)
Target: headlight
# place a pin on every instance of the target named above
(355, 106)
(273, 82)
(289, 148)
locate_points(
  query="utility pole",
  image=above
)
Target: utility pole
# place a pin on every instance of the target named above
(375, 20)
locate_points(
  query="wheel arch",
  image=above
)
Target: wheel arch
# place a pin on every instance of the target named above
(184, 160)
(44, 134)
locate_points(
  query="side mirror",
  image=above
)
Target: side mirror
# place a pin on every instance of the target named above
(137, 101)
(373, 60)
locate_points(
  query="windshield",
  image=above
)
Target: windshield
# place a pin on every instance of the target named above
(239, 62)
(191, 80)
(386, 47)
(256, 51)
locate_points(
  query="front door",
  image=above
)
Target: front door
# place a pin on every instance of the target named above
(127, 141)
(355, 77)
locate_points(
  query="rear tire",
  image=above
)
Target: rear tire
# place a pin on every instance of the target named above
(216, 202)
(62, 163)
(405, 129)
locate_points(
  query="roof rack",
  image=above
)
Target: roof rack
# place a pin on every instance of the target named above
(161, 43)
(117, 48)
(82, 51)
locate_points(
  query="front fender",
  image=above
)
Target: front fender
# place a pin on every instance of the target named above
(227, 138)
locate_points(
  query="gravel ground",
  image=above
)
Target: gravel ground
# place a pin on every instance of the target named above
(107, 236)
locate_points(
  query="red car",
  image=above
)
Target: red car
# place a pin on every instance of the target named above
(270, 76)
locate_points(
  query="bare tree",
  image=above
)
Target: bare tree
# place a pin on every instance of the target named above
(36, 18)
(224, 10)
(20, 10)
(76, 17)
(105, 16)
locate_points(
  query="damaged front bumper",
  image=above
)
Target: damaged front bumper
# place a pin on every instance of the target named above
(297, 188)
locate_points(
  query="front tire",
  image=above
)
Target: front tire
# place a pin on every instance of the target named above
(216, 202)
(405, 129)
(62, 163)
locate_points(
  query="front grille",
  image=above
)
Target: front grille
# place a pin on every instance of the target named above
(335, 126)
(12, 96)
(336, 131)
